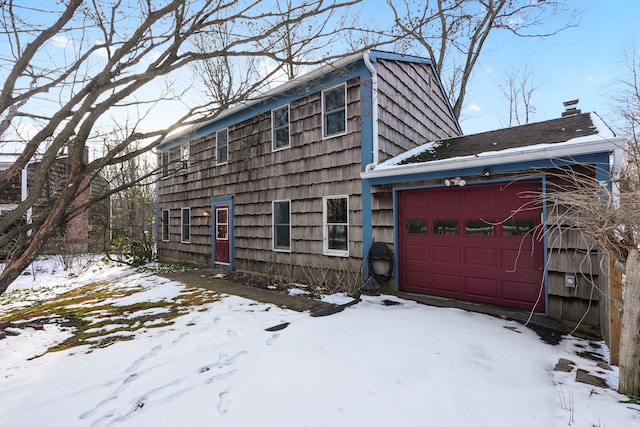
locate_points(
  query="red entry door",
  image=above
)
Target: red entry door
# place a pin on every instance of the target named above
(221, 228)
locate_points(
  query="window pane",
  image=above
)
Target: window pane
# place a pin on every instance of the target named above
(418, 226)
(222, 232)
(165, 164)
(282, 237)
(281, 117)
(334, 123)
(445, 226)
(281, 138)
(186, 216)
(337, 210)
(281, 212)
(222, 215)
(334, 99)
(518, 227)
(479, 227)
(337, 237)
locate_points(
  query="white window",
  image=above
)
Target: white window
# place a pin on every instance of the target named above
(334, 111)
(222, 146)
(282, 225)
(186, 225)
(336, 225)
(165, 225)
(280, 128)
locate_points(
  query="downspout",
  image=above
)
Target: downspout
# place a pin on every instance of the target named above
(374, 112)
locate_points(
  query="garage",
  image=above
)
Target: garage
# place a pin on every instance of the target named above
(476, 242)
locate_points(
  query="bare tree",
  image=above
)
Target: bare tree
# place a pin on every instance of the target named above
(453, 33)
(518, 86)
(608, 214)
(68, 67)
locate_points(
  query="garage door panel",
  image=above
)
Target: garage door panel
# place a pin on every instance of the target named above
(415, 281)
(449, 251)
(481, 257)
(446, 255)
(477, 198)
(514, 260)
(415, 253)
(443, 202)
(447, 283)
(480, 286)
(521, 293)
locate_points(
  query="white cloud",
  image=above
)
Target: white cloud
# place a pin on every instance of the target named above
(473, 108)
(62, 41)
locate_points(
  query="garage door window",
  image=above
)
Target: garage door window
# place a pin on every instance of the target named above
(479, 227)
(518, 227)
(445, 226)
(415, 226)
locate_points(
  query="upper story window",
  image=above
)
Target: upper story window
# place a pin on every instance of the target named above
(222, 146)
(186, 225)
(336, 225)
(280, 128)
(334, 111)
(164, 160)
(185, 152)
(282, 225)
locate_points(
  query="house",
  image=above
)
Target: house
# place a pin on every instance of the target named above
(273, 186)
(333, 170)
(85, 231)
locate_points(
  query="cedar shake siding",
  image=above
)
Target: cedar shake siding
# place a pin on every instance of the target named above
(300, 176)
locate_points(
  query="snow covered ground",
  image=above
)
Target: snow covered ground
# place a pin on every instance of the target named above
(211, 362)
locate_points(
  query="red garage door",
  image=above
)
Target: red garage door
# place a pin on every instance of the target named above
(477, 242)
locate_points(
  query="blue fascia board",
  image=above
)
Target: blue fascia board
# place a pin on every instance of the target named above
(599, 159)
(305, 88)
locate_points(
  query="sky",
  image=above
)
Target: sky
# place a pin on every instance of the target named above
(580, 63)
(384, 361)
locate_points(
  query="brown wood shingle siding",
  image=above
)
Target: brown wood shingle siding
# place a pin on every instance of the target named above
(312, 167)
(412, 109)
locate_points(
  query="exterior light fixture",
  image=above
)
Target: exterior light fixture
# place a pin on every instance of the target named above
(455, 181)
(206, 213)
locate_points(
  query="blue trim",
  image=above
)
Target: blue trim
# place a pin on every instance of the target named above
(396, 258)
(158, 213)
(597, 158)
(223, 200)
(366, 115)
(367, 227)
(545, 244)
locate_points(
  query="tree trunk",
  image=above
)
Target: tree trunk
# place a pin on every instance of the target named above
(629, 382)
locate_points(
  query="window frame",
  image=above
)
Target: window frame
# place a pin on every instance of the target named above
(182, 225)
(224, 131)
(326, 250)
(275, 128)
(325, 113)
(274, 224)
(165, 224)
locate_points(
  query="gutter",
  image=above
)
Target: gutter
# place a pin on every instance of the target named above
(530, 153)
(374, 114)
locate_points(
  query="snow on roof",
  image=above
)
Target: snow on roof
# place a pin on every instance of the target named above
(564, 132)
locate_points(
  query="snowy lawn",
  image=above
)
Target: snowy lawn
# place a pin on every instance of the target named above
(153, 352)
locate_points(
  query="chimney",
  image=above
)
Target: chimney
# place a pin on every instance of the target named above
(570, 108)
